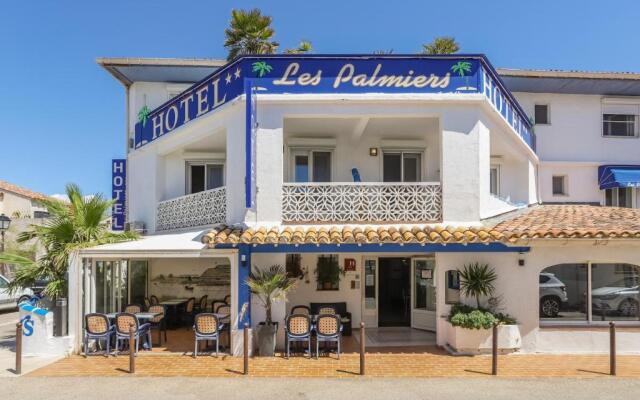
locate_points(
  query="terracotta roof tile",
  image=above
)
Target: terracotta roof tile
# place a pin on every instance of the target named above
(10, 187)
(541, 222)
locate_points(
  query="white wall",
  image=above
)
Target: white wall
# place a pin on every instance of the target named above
(186, 267)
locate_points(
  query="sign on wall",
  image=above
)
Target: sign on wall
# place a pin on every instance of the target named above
(118, 193)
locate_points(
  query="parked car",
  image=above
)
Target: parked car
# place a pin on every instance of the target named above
(553, 293)
(619, 297)
(9, 302)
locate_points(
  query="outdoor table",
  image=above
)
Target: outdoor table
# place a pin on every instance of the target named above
(172, 310)
(143, 316)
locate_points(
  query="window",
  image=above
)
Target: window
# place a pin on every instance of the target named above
(619, 125)
(293, 265)
(40, 214)
(618, 197)
(541, 112)
(370, 283)
(401, 167)
(204, 176)
(494, 180)
(565, 293)
(328, 272)
(559, 184)
(3, 283)
(452, 292)
(311, 166)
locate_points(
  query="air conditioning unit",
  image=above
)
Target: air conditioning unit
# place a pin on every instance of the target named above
(135, 226)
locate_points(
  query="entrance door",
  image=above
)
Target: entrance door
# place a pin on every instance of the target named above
(394, 291)
(423, 308)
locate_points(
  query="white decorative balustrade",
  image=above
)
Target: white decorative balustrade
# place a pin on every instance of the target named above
(198, 209)
(362, 202)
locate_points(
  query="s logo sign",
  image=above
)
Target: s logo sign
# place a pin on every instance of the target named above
(27, 325)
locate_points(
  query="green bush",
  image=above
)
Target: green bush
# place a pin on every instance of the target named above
(473, 318)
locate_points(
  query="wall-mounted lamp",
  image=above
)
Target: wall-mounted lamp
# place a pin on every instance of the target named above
(373, 151)
(521, 259)
(243, 260)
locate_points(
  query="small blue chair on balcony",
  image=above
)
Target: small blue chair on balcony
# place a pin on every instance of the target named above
(356, 175)
(97, 327)
(298, 329)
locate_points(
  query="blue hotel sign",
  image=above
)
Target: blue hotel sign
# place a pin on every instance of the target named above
(334, 74)
(118, 193)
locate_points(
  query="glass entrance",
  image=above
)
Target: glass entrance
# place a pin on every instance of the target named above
(423, 310)
(110, 286)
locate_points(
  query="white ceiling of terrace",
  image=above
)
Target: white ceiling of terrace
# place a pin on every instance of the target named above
(400, 128)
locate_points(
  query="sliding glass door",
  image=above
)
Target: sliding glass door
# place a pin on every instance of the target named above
(110, 287)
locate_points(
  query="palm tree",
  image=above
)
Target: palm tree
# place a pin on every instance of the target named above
(304, 47)
(269, 285)
(441, 45)
(143, 115)
(261, 68)
(78, 224)
(461, 67)
(477, 280)
(249, 32)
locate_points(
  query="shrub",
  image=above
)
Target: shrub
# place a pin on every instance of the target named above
(473, 318)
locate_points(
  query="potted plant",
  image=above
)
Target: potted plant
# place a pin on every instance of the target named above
(269, 285)
(470, 328)
(328, 273)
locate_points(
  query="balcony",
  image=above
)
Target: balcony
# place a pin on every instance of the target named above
(362, 202)
(199, 209)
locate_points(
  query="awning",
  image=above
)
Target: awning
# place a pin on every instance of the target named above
(618, 176)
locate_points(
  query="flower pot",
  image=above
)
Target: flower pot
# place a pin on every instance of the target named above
(266, 335)
(477, 341)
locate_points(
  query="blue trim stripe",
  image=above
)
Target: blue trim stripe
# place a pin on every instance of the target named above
(382, 248)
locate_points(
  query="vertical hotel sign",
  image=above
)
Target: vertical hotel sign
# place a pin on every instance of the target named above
(118, 193)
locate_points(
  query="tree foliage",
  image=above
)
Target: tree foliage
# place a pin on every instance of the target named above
(441, 45)
(249, 32)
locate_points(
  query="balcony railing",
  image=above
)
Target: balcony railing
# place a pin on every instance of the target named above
(361, 202)
(198, 209)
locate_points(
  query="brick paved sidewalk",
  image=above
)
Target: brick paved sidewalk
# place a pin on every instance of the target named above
(432, 364)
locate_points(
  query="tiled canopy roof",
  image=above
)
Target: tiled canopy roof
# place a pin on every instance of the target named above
(542, 222)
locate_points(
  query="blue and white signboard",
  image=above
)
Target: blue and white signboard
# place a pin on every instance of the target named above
(118, 193)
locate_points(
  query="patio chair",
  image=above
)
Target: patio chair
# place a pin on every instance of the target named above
(327, 310)
(217, 303)
(227, 298)
(147, 303)
(132, 308)
(202, 304)
(299, 309)
(356, 175)
(188, 314)
(328, 329)
(207, 327)
(298, 329)
(159, 322)
(123, 324)
(225, 309)
(154, 300)
(97, 327)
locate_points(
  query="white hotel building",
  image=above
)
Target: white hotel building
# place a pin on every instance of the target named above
(401, 168)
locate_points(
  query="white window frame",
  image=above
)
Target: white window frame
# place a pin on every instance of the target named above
(589, 321)
(548, 114)
(565, 185)
(205, 163)
(308, 151)
(620, 106)
(498, 169)
(420, 152)
(617, 200)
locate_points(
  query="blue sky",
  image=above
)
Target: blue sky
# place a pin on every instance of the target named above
(62, 116)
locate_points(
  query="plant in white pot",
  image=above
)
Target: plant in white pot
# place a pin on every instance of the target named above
(269, 285)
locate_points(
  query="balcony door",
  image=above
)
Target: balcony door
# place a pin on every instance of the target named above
(423, 293)
(311, 166)
(203, 176)
(401, 166)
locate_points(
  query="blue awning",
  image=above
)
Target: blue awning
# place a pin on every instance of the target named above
(618, 176)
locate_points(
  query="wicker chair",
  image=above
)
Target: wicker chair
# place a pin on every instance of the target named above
(217, 303)
(123, 324)
(159, 322)
(132, 308)
(304, 310)
(97, 327)
(206, 327)
(188, 312)
(147, 303)
(202, 304)
(154, 300)
(298, 329)
(224, 315)
(328, 329)
(327, 310)
(227, 299)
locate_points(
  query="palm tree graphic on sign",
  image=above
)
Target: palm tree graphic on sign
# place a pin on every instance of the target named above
(261, 68)
(143, 115)
(462, 68)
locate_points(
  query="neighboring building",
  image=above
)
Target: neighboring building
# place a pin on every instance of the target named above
(17, 202)
(400, 169)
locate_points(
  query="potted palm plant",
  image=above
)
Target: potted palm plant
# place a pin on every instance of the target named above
(269, 285)
(470, 328)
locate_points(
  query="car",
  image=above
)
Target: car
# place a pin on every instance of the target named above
(8, 301)
(620, 297)
(553, 293)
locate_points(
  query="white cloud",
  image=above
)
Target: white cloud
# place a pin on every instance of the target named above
(63, 197)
